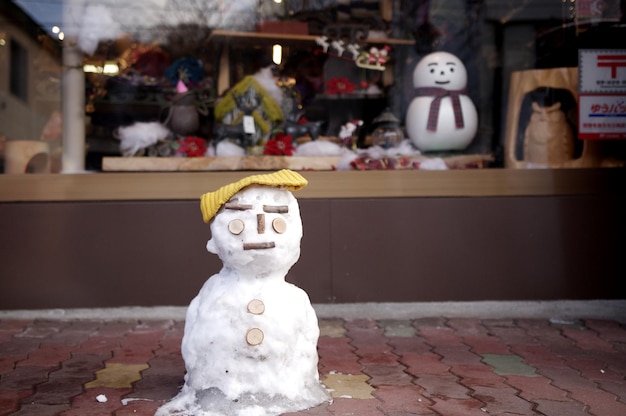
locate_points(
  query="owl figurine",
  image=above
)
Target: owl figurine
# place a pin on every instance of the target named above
(548, 139)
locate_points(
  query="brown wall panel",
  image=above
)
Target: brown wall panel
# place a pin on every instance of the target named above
(142, 253)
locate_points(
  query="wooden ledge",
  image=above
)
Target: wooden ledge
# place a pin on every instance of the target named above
(322, 184)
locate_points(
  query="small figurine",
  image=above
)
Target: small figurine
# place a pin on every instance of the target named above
(441, 117)
(547, 130)
(250, 342)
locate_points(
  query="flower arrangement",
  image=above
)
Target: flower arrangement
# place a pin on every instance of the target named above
(191, 146)
(339, 85)
(279, 145)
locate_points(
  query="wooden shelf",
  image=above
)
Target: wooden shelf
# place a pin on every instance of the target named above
(295, 37)
(322, 184)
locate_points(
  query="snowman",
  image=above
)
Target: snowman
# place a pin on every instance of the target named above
(250, 341)
(441, 117)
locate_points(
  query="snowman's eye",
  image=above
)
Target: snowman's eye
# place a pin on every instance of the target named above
(432, 70)
(279, 225)
(236, 227)
(451, 69)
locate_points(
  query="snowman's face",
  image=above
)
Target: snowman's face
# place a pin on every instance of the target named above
(442, 70)
(258, 231)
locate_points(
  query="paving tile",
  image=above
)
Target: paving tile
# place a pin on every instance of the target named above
(116, 375)
(331, 328)
(477, 375)
(48, 355)
(538, 356)
(450, 406)
(430, 322)
(408, 345)
(8, 363)
(24, 378)
(535, 388)
(19, 347)
(403, 400)
(457, 354)
(387, 375)
(138, 407)
(38, 409)
(499, 400)
(567, 379)
(508, 364)
(352, 407)
(99, 345)
(59, 390)
(587, 339)
(558, 408)
(485, 344)
(82, 366)
(610, 331)
(99, 401)
(594, 369)
(428, 363)
(352, 386)
(512, 335)
(599, 402)
(616, 388)
(336, 354)
(159, 386)
(15, 325)
(436, 336)
(397, 328)
(442, 386)
(385, 357)
(41, 329)
(10, 400)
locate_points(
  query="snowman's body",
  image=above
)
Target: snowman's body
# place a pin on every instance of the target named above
(250, 343)
(444, 71)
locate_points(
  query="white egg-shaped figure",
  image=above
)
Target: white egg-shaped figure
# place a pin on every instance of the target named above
(250, 341)
(441, 117)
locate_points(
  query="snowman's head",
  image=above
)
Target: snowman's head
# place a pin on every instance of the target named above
(258, 231)
(441, 70)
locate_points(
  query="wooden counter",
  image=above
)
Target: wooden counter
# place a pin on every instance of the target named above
(322, 184)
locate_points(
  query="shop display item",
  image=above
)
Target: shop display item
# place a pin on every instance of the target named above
(441, 117)
(250, 341)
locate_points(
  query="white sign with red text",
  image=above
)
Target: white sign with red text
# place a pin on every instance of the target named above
(602, 94)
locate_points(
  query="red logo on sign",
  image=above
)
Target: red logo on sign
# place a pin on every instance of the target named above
(613, 62)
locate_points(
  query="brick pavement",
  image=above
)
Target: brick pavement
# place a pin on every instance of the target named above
(430, 366)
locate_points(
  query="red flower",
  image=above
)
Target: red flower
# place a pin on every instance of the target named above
(339, 86)
(192, 146)
(279, 145)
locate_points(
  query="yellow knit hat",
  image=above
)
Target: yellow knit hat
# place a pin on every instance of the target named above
(211, 202)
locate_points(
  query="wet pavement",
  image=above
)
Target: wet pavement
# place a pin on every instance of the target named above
(426, 366)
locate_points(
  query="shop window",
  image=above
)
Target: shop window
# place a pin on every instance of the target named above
(182, 78)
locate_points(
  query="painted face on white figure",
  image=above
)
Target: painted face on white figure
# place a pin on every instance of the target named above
(440, 70)
(258, 231)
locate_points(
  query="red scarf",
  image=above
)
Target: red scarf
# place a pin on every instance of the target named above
(439, 93)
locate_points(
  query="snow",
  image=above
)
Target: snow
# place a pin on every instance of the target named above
(228, 373)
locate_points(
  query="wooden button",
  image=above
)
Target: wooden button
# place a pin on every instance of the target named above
(236, 227)
(279, 225)
(256, 307)
(254, 336)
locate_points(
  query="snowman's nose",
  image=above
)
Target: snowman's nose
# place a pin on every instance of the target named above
(260, 223)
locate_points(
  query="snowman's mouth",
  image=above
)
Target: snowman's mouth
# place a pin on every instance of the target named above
(442, 82)
(258, 246)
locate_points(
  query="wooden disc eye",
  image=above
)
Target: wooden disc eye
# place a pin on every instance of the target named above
(236, 227)
(279, 225)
